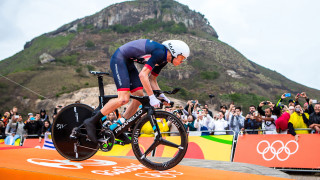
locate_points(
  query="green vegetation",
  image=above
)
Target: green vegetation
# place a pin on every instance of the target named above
(28, 59)
(243, 99)
(89, 44)
(68, 60)
(209, 75)
(150, 25)
(90, 68)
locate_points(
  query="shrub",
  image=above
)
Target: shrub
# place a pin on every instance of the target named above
(89, 44)
(210, 75)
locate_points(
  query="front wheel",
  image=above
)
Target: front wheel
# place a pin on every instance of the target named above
(160, 153)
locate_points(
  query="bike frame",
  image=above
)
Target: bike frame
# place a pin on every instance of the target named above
(146, 108)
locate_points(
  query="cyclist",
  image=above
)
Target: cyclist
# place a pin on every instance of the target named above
(127, 78)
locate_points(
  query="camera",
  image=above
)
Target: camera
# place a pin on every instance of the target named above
(211, 95)
(265, 102)
(287, 95)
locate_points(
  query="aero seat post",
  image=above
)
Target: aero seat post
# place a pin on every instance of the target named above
(101, 91)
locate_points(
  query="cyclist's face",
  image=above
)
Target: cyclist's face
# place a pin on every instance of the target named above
(178, 60)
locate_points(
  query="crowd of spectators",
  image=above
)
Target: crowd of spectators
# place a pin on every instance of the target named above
(14, 125)
(265, 118)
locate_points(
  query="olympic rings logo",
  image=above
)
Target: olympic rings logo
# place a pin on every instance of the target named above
(275, 152)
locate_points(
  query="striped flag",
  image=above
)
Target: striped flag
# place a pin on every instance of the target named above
(48, 144)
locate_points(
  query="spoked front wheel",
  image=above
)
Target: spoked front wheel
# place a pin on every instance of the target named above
(160, 153)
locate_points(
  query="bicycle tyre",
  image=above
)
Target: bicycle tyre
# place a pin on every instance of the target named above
(68, 118)
(149, 161)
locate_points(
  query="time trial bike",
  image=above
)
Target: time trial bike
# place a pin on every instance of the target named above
(71, 141)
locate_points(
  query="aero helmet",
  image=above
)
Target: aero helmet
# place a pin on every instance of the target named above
(177, 47)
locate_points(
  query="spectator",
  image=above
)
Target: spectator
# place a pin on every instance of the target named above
(14, 111)
(209, 112)
(147, 130)
(110, 119)
(263, 103)
(219, 125)
(46, 127)
(315, 118)
(33, 126)
(2, 130)
(298, 119)
(56, 111)
(206, 112)
(189, 125)
(302, 95)
(191, 106)
(237, 122)
(230, 112)
(202, 122)
(283, 96)
(11, 131)
(6, 118)
(282, 121)
(268, 121)
(224, 108)
(43, 115)
(37, 117)
(251, 122)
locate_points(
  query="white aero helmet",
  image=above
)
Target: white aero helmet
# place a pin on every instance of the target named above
(177, 47)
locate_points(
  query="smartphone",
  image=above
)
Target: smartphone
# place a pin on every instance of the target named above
(314, 101)
(16, 116)
(287, 95)
(32, 118)
(265, 103)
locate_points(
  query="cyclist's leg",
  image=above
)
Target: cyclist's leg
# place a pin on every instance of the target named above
(118, 65)
(133, 107)
(136, 89)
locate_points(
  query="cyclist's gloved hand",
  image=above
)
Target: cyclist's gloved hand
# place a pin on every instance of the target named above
(154, 101)
(165, 98)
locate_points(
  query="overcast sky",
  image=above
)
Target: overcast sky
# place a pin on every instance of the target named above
(282, 35)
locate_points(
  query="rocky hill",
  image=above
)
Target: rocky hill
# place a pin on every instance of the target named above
(57, 63)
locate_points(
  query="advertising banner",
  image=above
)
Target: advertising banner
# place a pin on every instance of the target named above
(279, 150)
(215, 147)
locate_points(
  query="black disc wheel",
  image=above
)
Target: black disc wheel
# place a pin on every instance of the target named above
(68, 118)
(167, 150)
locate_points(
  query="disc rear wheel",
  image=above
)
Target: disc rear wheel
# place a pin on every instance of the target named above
(67, 119)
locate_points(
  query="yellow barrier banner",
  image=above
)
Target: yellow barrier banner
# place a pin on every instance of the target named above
(213, 147)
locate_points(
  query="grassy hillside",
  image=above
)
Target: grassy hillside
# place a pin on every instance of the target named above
(214, 67)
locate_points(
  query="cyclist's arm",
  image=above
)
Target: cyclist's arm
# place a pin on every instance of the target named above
(153, 82)
(144, 78)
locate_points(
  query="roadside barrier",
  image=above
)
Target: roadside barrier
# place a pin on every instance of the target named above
(279, 151)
